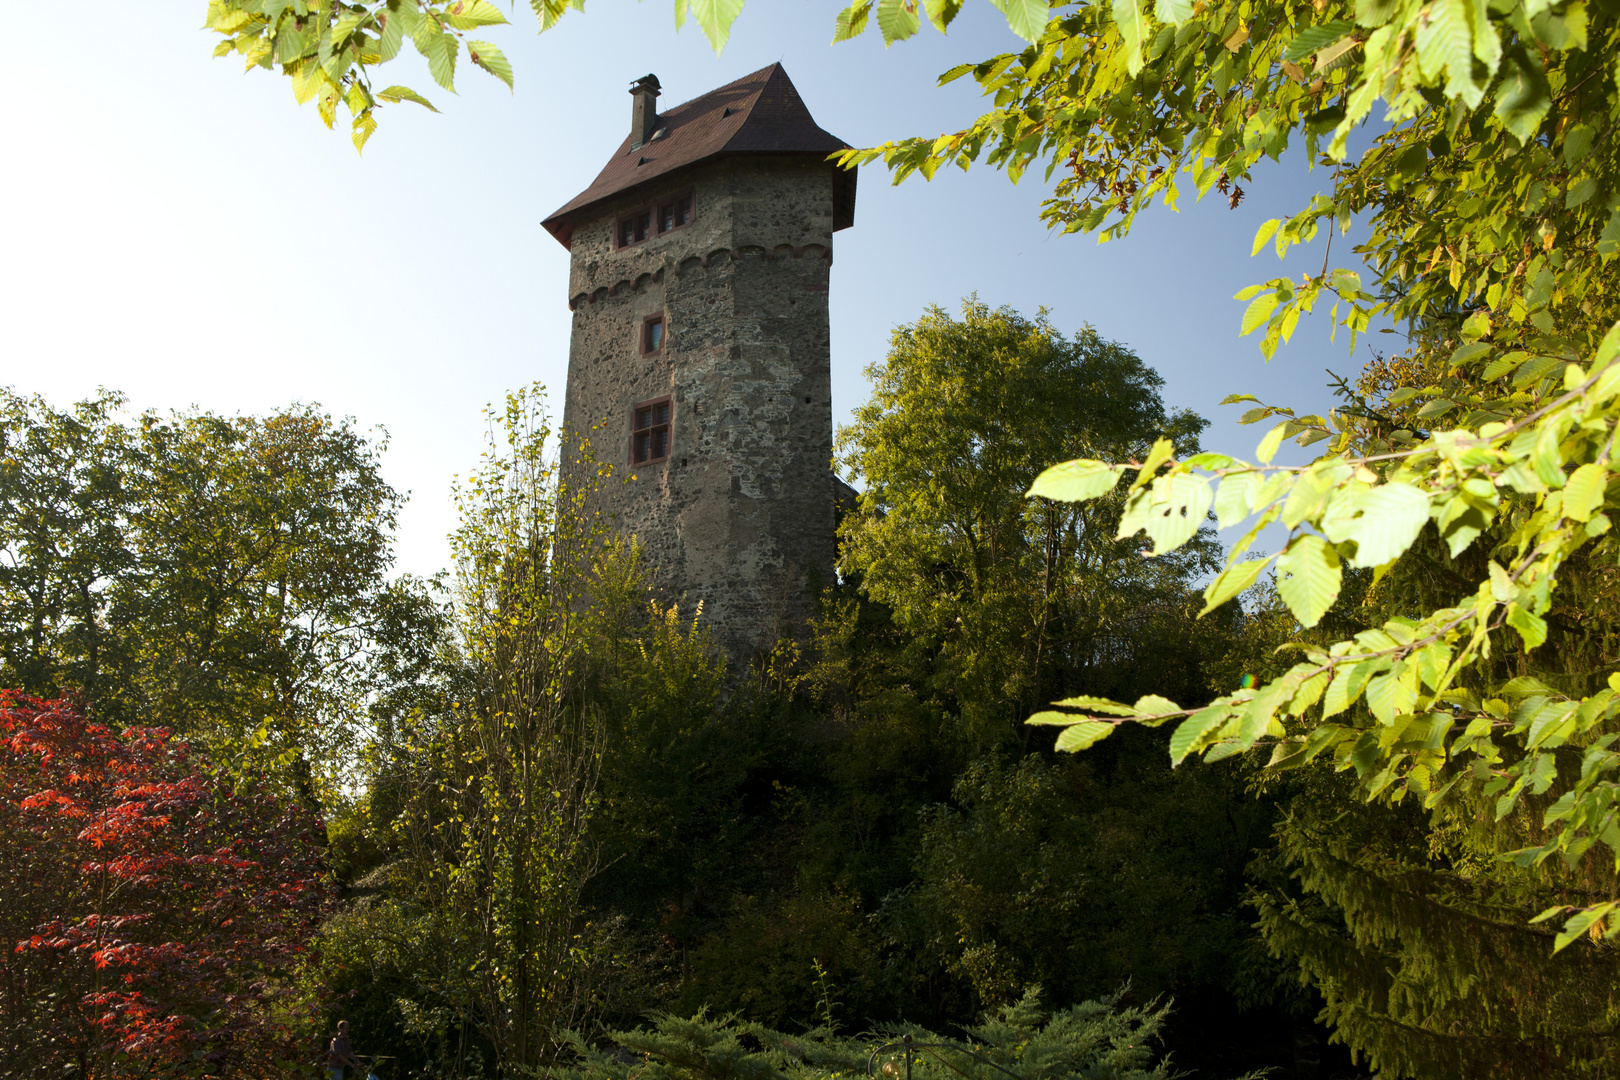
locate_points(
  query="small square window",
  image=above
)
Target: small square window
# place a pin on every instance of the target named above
(675, 212)
(633, 229)
(649, 432)
(652, 334)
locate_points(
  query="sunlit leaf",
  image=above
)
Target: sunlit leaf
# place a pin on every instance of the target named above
(1076, 481)
(1308, 578)
(852, 21)
(715, 17)
(491, 60)
(1232, 581)
(397, 94)
(1026, 18)
(897, 19)
(1382, 521)
(1132, 30)
(471, 14)
(1083, 735)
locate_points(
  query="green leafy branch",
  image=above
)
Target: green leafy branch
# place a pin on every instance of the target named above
(326, 46)
(1544, 478)
(1133, 100)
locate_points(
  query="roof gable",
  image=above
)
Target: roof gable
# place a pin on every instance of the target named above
(761, 113)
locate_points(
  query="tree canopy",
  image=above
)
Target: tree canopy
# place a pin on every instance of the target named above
(221, 576)
(1023, 598)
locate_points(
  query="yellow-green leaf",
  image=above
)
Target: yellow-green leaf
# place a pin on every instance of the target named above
(1095, 704)
(470, 14)
(715, 17)
(852, 21)
(1132, 32)
(1232, 581)
(1083, 735)
(942, 12)
(1162, 449)
(396, 94)
(491, 60)
(1194, 730)
(897, 19)
(1583, 494)
(1308, 578)
(1268, 445)
(1383, 521)
(1026, 18)
(1076, 481)
(1259, 311)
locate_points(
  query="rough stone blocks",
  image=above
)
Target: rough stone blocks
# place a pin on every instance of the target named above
(739, 517)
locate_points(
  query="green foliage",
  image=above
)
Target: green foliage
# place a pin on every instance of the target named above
(389, 966)
(1115, 848)
(413, 959)
(788, 955)
(1095, 1040)
(1488, 200)
(1019, 599)
(811, 826)
(496, 829)
(64, 498)
(328, 49)
(1405, 921)
(1418, 941)
(756, 844)
(224, 577)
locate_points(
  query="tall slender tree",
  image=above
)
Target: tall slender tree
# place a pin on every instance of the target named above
(508, 778)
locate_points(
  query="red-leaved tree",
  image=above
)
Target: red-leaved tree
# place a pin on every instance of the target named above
(152, 914)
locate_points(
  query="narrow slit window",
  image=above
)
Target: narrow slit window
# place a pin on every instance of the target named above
(652, 334)
(649, 432)
(675, 212)
(633, 229)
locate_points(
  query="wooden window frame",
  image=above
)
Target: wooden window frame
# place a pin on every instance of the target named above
(619, 222)
(654, 228)
(659, 204)
(668, 425)
(646, 329)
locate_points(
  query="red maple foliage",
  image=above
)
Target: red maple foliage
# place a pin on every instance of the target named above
(152, 914)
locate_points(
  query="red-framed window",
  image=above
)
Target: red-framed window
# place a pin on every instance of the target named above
(649, 431)
(666, 215)
(675, 212)
(653, 330)
(634, 228)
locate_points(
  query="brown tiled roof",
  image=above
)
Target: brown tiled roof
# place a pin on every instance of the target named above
(760, 113)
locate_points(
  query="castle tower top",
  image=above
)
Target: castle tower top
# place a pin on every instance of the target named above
(760, 113)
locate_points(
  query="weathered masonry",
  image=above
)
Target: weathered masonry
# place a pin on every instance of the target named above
(700, 353)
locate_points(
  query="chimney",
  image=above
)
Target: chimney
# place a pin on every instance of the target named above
(644, 110)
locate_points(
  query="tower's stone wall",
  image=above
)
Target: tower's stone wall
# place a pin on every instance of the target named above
(740, 516)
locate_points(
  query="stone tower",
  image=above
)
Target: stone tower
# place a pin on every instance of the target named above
(700, 258)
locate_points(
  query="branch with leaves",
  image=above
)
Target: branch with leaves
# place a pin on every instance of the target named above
(1544, 480)
(329, 48)
(1132, 103)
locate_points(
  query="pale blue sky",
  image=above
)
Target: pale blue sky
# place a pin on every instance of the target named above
(189, 235)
